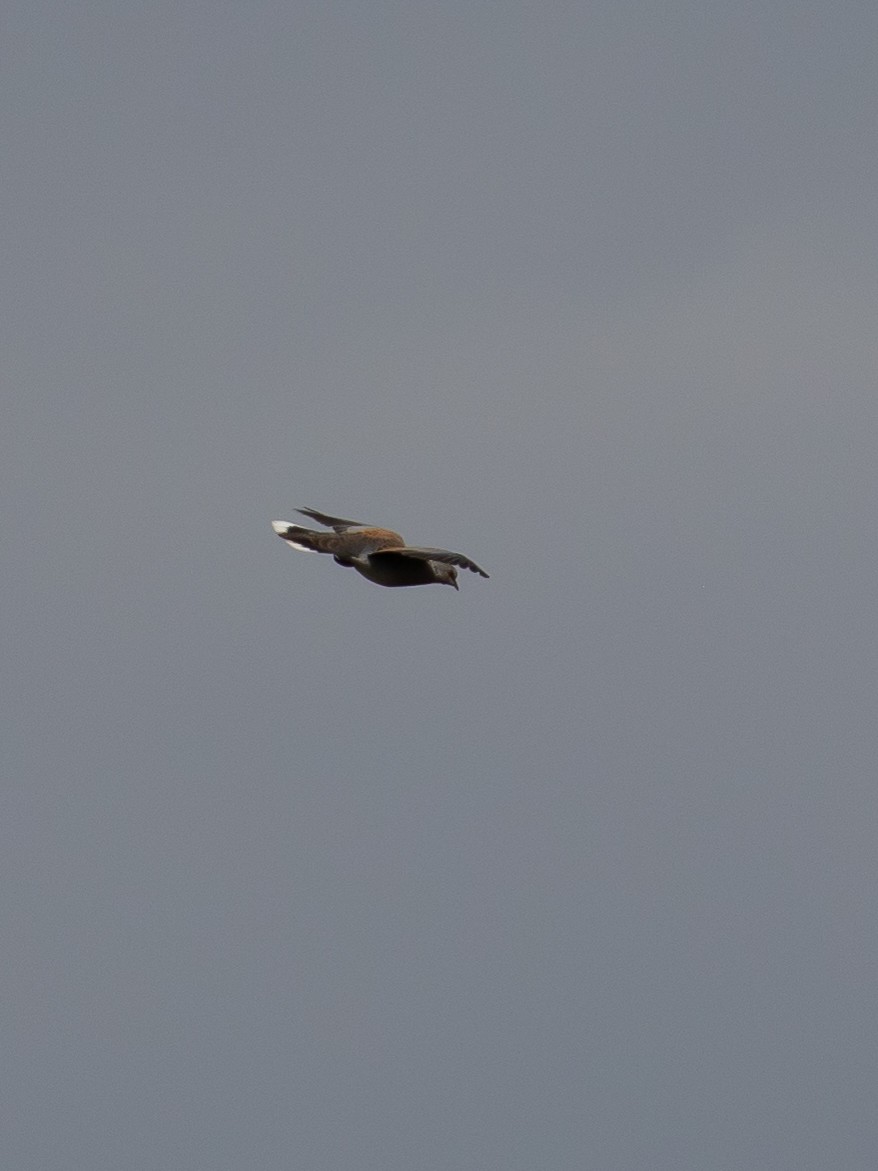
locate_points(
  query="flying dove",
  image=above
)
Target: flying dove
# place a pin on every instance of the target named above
(380, 555)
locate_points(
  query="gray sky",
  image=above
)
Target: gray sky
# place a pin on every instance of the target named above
(575, 868)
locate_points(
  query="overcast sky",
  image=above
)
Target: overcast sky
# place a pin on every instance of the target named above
(575, 868)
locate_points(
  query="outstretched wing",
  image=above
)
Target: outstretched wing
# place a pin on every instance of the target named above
(331, 522)
(444, 555)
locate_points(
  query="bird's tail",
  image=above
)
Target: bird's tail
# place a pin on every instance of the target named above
(305, 539)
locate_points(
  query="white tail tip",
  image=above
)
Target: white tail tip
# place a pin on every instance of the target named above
(282, 527)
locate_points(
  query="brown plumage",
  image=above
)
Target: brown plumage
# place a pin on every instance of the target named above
(380, 555)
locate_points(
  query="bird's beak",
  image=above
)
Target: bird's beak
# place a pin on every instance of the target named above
(456, 586)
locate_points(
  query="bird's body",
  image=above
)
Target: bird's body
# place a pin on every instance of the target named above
(380, 555)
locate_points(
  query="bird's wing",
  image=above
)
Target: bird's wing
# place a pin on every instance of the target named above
(331, 522)
(431, 555)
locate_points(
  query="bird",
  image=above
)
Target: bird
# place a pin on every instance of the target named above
(380, 555)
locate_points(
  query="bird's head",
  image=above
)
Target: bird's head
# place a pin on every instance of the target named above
(446, 574)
